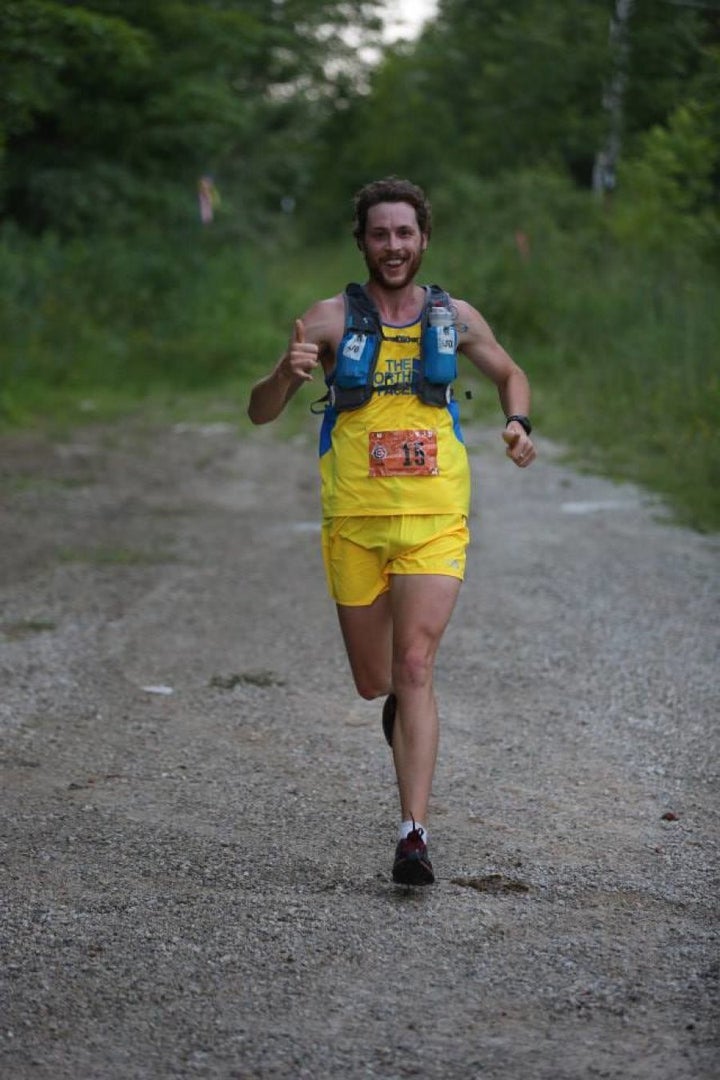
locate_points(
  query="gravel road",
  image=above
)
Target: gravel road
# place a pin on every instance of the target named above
(199, 815)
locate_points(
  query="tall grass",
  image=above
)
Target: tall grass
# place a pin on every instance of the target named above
(623, 359)
(631, 379)
(129, 316)
(621, 344)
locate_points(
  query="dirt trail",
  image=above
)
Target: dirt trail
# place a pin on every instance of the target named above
(199, 815)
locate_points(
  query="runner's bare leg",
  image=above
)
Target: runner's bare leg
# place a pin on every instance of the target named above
(368, 634)
(421, 606)
(391, 644)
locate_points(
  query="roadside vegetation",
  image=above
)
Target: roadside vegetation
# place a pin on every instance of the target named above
(113, 294)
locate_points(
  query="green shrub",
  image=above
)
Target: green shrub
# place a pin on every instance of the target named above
(620, 336)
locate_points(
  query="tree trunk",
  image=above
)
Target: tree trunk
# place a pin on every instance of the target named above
(613, 99)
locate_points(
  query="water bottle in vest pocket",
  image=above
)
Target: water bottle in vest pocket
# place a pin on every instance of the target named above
(439, 345)
(354, 360)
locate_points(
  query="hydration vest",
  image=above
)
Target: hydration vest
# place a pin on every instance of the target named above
(351, 384)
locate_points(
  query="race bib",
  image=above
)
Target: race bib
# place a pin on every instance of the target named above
(403, 453)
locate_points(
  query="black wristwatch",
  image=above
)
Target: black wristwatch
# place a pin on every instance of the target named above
(523, 421)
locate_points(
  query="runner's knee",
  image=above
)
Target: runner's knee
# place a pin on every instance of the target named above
(413, 668)
(370, 690)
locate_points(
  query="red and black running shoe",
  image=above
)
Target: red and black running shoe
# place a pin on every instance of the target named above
(412, 864)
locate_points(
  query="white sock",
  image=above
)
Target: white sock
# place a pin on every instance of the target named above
(406, 827)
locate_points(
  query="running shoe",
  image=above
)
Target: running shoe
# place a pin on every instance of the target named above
(388, 717)
(412, 864)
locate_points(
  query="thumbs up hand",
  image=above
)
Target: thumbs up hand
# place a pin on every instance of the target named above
(301, 357)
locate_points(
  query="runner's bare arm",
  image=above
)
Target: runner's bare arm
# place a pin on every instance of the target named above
(312, 342)
(477, 341)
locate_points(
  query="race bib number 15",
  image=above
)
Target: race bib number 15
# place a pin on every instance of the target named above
(403, 453)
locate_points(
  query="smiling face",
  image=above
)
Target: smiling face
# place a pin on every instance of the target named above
(393, 244)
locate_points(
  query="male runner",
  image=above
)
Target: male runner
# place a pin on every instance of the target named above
(395, 484)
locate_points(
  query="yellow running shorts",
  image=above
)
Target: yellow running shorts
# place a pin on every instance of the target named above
(361, 553)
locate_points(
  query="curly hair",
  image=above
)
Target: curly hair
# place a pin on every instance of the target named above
(391, 189)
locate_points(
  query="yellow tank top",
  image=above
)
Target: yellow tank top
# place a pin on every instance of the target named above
(394, 455)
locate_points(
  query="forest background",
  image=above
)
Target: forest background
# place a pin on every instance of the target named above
(571, 149)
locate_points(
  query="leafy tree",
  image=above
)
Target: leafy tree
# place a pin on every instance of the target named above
(670, 200)
(492, 87)
(111, 109)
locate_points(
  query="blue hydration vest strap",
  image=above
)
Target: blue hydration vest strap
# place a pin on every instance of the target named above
(351, 383)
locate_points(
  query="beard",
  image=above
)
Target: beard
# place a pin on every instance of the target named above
(394, 278)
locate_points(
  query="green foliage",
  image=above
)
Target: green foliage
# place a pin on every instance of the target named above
(492, 87)
(669, 199)
(111, 290)
(63, 64)
(127, 316)
(111, 109)
(503, 242)
(620, 343)
(47, 45)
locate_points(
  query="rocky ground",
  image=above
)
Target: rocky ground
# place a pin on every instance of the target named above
(199, 815)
